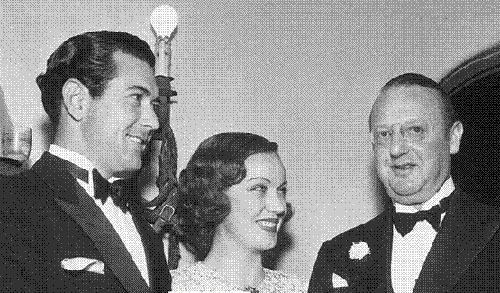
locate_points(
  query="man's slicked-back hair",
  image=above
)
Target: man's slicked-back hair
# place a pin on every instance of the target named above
(87, 57)
(416, 79)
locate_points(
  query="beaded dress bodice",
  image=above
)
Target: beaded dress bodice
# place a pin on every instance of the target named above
(199, 277)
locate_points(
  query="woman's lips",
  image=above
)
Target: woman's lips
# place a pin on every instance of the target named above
(270, 225)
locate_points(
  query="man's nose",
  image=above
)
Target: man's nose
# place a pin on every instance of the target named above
(149, 118)
(399, 145)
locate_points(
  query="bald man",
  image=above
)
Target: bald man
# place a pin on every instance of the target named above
(434, 237)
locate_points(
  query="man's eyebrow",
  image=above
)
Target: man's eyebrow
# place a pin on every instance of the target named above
(414, 121)
(139, 88)
(411, 121)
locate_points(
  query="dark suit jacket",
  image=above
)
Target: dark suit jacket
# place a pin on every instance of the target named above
(46, 217)
(9, 167)
(464, 257)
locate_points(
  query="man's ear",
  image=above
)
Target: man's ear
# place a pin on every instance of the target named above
(76, 98)
(456, 132)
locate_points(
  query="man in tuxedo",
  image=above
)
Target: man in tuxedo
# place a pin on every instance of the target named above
(65, 226)
(434, 237)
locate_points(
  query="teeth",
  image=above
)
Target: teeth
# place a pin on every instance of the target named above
(136, 139)
(267, 224)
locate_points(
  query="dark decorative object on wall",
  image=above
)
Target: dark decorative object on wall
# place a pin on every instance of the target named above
(474, 87)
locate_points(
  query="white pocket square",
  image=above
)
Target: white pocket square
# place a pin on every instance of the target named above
(83, 264)
(338, 281)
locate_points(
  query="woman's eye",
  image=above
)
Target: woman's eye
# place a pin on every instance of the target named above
(416, 129)
(260, 188)
(383, 133)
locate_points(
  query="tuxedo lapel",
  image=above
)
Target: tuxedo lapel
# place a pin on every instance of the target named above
(159, 276)
(73, 199)
(466, 229)
(387, 249)
(374, 273)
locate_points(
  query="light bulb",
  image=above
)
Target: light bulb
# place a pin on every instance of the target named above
(164, 20)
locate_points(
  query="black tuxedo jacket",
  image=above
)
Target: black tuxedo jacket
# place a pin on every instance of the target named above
(464, 257)
(46, 217)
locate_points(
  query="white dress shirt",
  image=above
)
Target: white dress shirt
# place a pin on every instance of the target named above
(409, 252)
(121, 222)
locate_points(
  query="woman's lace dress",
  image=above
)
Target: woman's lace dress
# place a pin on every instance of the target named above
(198, 277)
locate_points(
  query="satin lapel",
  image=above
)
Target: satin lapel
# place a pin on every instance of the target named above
(466, 229)
(373, 275)
(159, 275)
(387, 248)
(73, 199)
(382, 237)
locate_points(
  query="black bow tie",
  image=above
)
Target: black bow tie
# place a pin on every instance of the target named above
(104, 189)
(404, 222)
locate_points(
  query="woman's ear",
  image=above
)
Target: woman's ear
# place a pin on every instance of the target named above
(76, 98)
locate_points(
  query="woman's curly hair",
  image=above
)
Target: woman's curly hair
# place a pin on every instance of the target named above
(217, 164)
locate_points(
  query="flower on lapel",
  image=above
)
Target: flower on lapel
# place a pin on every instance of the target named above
(359, 250)
(83, 264)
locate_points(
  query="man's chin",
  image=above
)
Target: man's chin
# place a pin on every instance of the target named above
(404, 193)
(129, 170)
(408, 197)
(405, 200)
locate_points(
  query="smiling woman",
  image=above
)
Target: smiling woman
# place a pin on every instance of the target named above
(232, 204)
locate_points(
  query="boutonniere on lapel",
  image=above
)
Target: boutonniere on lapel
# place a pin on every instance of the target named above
(359, 250)
(364, 273)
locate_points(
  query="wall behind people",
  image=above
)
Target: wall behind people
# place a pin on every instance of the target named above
(301, 73)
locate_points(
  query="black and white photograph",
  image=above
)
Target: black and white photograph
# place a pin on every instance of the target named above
(271, 146)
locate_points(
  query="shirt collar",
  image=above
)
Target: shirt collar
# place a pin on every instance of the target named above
(445, 191)
(76, 159)
(71, 156)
